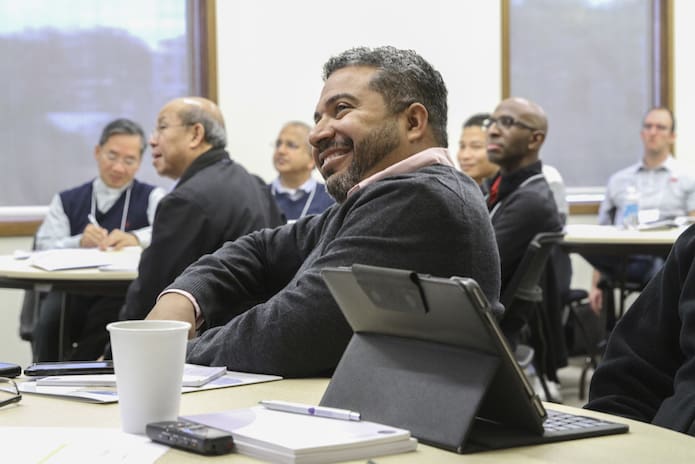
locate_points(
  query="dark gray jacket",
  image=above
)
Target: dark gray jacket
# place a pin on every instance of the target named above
(431, 221)
(648, 371)
(215, 200)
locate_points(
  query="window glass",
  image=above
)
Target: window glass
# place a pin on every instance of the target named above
(70, 68)
(587, 63)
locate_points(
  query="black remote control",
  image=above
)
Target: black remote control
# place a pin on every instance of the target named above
(191, 436)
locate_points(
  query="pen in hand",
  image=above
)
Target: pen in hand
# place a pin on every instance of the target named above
(93, 235)
(93, 220)
(298, 408)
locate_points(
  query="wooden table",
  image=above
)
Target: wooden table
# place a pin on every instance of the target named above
(594, 240)
(610, 240)
(20, 274)
(644, 444)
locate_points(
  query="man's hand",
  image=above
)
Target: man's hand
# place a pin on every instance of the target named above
(596, 300)
(92, 236)
(174, 307)
(118, 239)
(596, 294)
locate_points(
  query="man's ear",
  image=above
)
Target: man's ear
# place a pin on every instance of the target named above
(97, 151)
(536, 140)
(417, 121)
(198, 135)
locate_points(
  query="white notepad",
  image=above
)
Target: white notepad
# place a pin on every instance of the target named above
(296, 438)
(70, 258)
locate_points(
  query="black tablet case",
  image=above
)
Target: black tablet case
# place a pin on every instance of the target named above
(428, 356)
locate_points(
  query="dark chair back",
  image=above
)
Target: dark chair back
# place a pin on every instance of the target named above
(523, 302)
(524, 293)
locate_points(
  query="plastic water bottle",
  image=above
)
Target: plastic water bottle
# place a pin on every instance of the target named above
(630, 219)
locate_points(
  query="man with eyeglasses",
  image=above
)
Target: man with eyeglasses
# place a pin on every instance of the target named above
(122, 211)
(666, 190)
(519, 198)
(214, 201)
(296, 192)
(473, 160)
(9, 393)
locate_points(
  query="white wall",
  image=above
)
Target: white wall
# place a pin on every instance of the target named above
(271, 53)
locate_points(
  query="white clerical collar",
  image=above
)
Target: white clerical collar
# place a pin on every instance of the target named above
(100, 187)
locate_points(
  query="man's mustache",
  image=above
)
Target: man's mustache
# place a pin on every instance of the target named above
(329, 144)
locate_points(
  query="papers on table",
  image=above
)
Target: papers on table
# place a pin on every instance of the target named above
(662, 224)
(193, 376)
(81, 258)
(52, 445)
(70, 258)
(96, 392)
(286, 437)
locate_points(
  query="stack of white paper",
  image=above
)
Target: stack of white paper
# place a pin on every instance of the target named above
(100, 389)
(126, 259)
(193, 376)
(70, 258)
(285, 437)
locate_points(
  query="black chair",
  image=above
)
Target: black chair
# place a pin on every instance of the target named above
(523, 299)
(30, 313)
(619, 281)
(608, 286)
(587, 335)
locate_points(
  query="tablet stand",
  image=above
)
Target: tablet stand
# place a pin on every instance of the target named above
(433, 390)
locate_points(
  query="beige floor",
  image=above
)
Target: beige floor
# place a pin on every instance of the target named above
(569, 382)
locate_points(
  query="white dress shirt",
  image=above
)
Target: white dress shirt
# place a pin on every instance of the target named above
(55, 229)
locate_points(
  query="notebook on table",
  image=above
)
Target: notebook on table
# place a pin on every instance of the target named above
(285, 437)
(428, 355)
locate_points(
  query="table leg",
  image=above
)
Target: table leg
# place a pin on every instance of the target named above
(38, 290)
(62, 327)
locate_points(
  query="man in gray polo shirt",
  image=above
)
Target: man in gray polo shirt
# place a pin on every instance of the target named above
(666, 190)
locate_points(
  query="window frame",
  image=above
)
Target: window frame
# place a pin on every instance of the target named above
(17, 221)
(580, 201)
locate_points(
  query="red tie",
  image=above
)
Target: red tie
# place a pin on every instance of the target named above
(494, 189)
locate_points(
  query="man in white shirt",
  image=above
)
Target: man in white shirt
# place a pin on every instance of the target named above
(112, 211)
(295, 191)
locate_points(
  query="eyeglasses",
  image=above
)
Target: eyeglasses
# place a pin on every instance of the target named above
(114, 158)
(9, 393)
(507, 122)
(162, 127)
(660, 127)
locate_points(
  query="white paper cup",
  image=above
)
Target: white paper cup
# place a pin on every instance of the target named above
(148, 358)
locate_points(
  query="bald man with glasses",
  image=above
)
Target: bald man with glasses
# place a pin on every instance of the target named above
(522, 205)
(520, 201)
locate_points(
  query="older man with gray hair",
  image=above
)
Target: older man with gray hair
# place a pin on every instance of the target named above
(215, 200)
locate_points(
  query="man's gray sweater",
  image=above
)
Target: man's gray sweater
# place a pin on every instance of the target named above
(266, 307)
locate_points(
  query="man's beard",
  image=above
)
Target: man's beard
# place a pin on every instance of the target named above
(373, 148)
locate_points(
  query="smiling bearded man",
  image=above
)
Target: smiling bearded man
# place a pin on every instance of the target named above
(259, 303)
